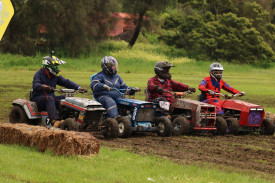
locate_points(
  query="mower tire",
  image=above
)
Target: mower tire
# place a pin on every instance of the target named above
(267, 127)
(124, 127)
(180, 126)
(110, 128)
(164, 126)
(232, 126)
(69, 124)
(221, 125)
(18, 115)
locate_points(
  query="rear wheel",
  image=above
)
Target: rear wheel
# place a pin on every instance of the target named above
(124, 127)
(69, 125)
(18, 115)
(221, 125)
(180, 125)
(232, 126)
(164, 126)
(267, 127)
(110, 128)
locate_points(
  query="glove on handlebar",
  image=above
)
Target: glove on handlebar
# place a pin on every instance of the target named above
(159, 90)
(83, 90)
(132, 91)
(137, 89)
(106, 87)
(242, 93)
(193, 90)
(47, 88)
(211, 92)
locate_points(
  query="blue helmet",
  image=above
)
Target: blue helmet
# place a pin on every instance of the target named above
(107, 64)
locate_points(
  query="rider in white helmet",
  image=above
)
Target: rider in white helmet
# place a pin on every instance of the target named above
(213, 84)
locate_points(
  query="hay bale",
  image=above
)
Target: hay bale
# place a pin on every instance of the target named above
(58, 141)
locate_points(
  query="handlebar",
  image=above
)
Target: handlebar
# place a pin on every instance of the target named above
(179, 94)
(123, 92)
(65, 90)
(229, 96)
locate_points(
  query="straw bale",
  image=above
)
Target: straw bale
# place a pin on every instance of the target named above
(58, 141)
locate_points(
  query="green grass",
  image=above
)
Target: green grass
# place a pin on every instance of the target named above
(22, 164)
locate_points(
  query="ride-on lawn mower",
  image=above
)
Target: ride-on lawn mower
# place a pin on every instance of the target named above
(79, 114)
(139, 116)
(245, 117)
(190, 116)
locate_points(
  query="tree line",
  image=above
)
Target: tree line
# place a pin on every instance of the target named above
(227, 30)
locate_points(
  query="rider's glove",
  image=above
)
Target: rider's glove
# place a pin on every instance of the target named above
(137, 89)
(192, 90)
(82, 90)
(226, 96)
(211, 92)
(159, 90)
(106, 87)
(132, 91)
(47, 88)
(242, 93)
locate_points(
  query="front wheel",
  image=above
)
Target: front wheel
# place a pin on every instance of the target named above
(180, 125)
(232, 126)
(69, 124)
(221, 125)
(267, 127)
(17, 115)
(124, 127)
(164, 126)
(110, 128)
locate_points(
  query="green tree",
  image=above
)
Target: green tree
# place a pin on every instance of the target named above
(222, 37)
(72, 26)
(141, 7)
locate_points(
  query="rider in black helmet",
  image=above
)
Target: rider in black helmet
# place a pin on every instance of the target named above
(162, 82)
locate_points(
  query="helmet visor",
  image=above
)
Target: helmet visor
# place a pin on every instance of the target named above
(217, 72)
(54, 68)
(112, 66)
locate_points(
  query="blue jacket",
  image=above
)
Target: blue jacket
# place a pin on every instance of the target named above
(41, 78)
(101, 78)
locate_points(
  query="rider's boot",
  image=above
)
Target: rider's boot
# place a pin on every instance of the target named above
(56, 123)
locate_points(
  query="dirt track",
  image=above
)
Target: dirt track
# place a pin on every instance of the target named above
(250, 154)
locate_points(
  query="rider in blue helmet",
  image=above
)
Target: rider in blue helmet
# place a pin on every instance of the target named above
(104, 81)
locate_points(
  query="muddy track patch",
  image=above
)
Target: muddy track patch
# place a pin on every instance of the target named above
(245, 153)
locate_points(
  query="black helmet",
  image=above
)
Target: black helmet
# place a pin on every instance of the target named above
(216, 71)
(107, 63)
(51, 64)
(162, 69)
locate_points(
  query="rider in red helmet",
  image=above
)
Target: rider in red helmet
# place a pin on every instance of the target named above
(213, 84)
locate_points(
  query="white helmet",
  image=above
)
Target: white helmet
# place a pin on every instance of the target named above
(216, 70)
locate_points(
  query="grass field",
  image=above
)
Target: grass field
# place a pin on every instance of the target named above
(21, 164)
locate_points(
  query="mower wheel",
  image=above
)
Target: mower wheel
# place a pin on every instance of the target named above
(69, 124)
(232, 126)
(221, 125)
(267, 127)
(18, 115)
(180, 125)
(124, 127)
(164, 126)
(110, 128)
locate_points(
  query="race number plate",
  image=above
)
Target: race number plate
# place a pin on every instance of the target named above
(164, 105)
